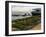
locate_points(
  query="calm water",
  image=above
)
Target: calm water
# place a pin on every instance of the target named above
(19, 17)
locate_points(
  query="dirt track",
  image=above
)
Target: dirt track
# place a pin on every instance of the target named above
(37, 27)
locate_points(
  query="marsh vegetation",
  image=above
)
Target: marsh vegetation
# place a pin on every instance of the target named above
(25, 23)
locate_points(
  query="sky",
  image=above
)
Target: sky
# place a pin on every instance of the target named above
(22, 9)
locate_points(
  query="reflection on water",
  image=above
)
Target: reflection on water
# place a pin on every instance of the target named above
(19, 17)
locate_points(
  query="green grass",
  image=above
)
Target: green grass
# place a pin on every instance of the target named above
(26, 23)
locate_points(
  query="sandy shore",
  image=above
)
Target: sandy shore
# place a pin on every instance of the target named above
(37, 27)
